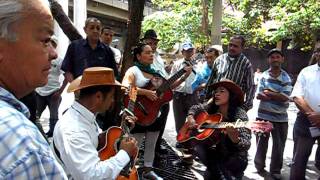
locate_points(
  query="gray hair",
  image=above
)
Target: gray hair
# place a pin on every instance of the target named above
(10, 13)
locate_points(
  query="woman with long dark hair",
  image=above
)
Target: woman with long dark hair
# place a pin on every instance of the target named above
(139, 76)
(227, 158)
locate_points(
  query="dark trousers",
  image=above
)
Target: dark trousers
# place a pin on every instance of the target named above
(163, 119)
(317, 158)
(221, 167)
(303, 144)
(279, 136)
(53, 105)
(31, 102)
(181, 105)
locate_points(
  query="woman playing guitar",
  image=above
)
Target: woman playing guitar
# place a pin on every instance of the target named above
(139, 76)
(226, 158)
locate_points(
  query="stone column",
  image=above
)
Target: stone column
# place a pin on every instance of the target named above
(80, 15)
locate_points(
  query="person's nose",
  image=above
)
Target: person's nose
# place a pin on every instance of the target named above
(52, 53)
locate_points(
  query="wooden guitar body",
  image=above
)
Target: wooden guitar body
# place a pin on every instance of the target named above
(209, 126)
(146, 110)
(193, 136)
(109, 142)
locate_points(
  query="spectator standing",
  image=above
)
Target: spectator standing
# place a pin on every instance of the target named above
(234, 65)
(274, 91)
(204, 71)
(106, 37)
(306, 97)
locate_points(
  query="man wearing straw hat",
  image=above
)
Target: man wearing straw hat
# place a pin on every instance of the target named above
(75, 137)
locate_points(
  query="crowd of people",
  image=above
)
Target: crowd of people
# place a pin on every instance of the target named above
(220, 83)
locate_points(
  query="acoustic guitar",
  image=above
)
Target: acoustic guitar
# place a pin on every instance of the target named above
(147, 110)
(207, 124)
(109, 141)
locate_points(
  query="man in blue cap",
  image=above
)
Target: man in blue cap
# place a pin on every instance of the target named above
(183, 96)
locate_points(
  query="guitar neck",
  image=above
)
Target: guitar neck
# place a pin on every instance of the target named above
(127, 111)
(223, 125)
(173, 78)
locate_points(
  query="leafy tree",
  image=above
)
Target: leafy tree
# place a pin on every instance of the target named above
(296, 20)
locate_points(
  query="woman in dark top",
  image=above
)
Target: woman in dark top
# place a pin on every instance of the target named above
(227, 158)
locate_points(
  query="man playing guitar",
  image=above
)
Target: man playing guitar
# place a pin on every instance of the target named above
(75, 137)
(226, 158)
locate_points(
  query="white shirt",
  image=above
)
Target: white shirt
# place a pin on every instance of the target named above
(158, 65)
(117, 54)
(55, 79)
(186, 86)
(140, 79)
(76, 138)
(308, 85)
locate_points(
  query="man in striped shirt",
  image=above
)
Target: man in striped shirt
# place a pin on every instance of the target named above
(274, 90)
(234, 65)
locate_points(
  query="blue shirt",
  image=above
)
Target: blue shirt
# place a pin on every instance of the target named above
(24, 153)
(274, 111)
(202, 76)
(80, 56)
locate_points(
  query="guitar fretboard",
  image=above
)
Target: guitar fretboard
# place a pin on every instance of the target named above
(165, 86)
(222, 125)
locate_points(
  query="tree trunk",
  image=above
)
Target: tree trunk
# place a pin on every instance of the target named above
(216, 22)
(64, 22)
(205, 23)
(136, 8)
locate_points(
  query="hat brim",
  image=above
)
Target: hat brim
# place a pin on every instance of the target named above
(75, 85)
(234, 88)
(187, 48)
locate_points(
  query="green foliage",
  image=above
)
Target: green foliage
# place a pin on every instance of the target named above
(181, 24)
(298, 20)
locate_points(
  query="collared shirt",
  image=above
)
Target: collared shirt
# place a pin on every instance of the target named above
(158, 65)
(54, 79)
(24, 153)
(239, 70)
(80, 56)
(202, 76)
(186, 86)
(76, 138)
(307, 86)
(272, 110)
(117, 54)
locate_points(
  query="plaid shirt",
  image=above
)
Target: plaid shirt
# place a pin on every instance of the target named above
(24, 153)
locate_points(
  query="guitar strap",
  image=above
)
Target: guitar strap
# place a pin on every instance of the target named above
(54, 146)
(56, 151)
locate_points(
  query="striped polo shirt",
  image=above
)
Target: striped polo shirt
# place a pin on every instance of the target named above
(271, 110)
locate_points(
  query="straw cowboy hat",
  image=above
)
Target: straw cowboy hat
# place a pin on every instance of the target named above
(232, 88)
(94, 76)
